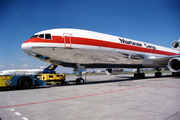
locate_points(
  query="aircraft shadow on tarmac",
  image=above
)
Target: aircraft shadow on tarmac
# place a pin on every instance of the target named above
(127, 78)
(119, 79)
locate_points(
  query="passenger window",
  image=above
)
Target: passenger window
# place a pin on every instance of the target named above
(41, 36)
(47, 36)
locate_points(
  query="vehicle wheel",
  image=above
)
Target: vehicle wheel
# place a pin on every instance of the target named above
(25, 83)
(62, 82)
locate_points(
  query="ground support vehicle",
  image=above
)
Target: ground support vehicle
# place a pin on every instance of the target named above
(29, 81)
(54, 78)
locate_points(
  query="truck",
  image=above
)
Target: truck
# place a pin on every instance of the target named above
(29, 81)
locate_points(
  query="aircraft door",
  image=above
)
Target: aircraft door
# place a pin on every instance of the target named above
(67, 40)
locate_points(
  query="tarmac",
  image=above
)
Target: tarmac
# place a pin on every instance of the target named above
(103, 97)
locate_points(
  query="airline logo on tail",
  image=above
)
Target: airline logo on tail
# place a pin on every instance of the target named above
(50, 69)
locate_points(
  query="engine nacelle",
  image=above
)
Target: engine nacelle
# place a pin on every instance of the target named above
(174, 64)
(113, 71)
(175, 45)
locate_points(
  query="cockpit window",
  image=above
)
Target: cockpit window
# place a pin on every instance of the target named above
(41, 36)
(47, 36)
(34, 36)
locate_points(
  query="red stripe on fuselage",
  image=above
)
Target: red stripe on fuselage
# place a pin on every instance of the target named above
(99, 43)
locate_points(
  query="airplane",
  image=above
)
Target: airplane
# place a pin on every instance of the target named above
(83, 49)
(49, 69)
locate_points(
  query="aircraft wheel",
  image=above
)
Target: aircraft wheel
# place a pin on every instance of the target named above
(142, 75)
(25, 83)
(173, 74)
(79, 81)
(135, 75)
(158, 74)
(139, 75)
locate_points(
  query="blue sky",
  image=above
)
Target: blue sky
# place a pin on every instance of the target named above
(153, 21)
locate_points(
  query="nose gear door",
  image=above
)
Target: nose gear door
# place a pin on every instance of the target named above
(67, 40)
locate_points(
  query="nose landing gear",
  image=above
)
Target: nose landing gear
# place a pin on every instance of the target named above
(80, 80)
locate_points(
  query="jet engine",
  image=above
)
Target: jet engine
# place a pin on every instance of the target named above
(175, 45)
(174, 64)
(113, 71)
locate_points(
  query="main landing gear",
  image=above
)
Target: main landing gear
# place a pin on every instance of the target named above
(138, 74)
(158, 74)
(175, 74)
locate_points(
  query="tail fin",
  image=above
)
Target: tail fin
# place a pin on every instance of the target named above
(50, 69)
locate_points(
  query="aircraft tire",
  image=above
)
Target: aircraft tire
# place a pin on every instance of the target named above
(142, 75)
(139, 75)
(158, 74)
(25, 83)
(79, 81)
(135, 75)
(173, 74)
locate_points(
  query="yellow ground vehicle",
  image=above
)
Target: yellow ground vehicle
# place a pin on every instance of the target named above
(57, 78)
(29, 81)
(4, 81)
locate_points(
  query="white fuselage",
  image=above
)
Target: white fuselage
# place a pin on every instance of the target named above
(74, 48)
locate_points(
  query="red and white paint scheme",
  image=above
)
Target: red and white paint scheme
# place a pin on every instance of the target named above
(86, 49)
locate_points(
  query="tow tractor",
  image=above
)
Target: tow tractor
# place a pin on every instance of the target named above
(29, 81)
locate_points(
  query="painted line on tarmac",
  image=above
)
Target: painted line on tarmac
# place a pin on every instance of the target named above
(17, 113)
(87, 96)
(24, 118)
(70, 98)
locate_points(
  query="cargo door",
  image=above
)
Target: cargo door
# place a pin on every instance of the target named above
(67, 40)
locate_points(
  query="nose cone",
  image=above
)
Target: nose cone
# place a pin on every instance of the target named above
(26, 48)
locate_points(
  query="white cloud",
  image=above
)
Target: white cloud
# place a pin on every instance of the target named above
(1, 66)
(23, 59)
(25, 65)
(44, 63)
(12, 65)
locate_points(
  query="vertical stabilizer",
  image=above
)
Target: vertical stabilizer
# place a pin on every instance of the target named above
(50, 69)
